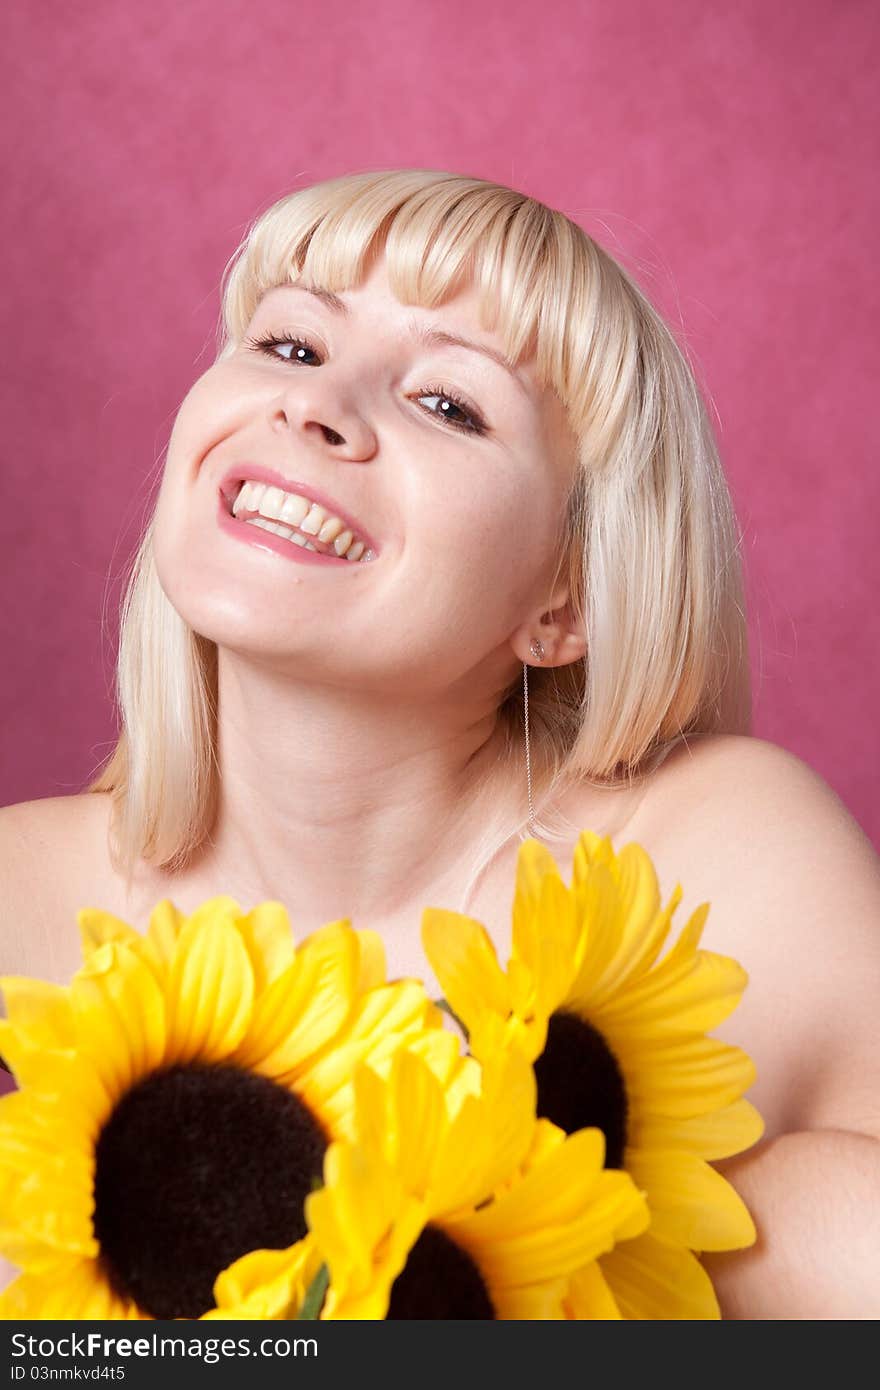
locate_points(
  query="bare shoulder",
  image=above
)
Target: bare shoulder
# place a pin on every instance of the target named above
(44, 847)
(793, 884)
(738, 803)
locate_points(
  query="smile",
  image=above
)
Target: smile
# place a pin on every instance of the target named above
(297, 520)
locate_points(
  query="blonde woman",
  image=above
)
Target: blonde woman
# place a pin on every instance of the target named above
(449, 467)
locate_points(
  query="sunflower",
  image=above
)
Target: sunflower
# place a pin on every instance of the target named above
(454, 1202)
(618, 1039)
(176, 1102)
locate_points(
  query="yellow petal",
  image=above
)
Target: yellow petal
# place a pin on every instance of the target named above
(120, 1017)
(266, 1284)
(680, 1077)
(34, 1132)
(591, 849)
(717, 1134)
(64, 1078)
(654, 1281)
(383, 1019)
(417, 1119)
(624, 926)
(40, 1009)
(463, 958)
(553, 953)
(268, 937)
(210, 992)
(531, 1302)
(397, 1009)
(588, 1296)
(691, 1203)
(459, 1074)
(363, 1291)
(350, 1216)
(688, 991)
(166, 924)
(372, 1122)
(51, 1212)
(372, 960)
(534, 861)
(535, 865)
(305, 1007)
(220, 908)
(73, 1290)
(564, 1213)
(97, 927)
(489, 1136)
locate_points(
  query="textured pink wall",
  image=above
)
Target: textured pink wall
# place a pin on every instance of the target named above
(726, 153)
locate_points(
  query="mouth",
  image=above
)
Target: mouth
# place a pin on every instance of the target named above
(261, 497)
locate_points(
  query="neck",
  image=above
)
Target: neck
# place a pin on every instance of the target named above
(351, 803)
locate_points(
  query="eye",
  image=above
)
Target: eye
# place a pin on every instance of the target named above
(473, 422)
(270, 342)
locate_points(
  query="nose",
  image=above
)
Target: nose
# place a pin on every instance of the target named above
(316, 411)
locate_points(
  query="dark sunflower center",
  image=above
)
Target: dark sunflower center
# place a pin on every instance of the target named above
(195, 1167)
(580, 1084)
(439, 1280)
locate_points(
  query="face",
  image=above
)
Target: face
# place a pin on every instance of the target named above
(455, 468)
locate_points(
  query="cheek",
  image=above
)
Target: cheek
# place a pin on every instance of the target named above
(172, 549)
(214, 410)
(183, 523)
(480, 567)
(500, 540)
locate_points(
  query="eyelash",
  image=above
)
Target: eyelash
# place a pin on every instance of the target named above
(267, 345)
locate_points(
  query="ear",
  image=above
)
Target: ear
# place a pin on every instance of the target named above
(558, 631)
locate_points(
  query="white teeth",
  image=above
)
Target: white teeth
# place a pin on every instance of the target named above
(301, 540)
(330, 530)
(287, 534)
(293, 510)
(314, 521)
(244, 500)
(282, 512)
(271, 503)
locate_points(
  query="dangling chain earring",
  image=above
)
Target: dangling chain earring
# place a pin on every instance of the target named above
(537, 650)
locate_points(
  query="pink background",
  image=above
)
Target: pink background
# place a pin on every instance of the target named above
(727, 154)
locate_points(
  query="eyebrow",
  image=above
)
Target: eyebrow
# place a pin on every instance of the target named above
(428, 334)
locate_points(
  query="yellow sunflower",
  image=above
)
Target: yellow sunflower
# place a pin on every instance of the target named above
(176, 1102)
(454, 1203)
(618, 1038)
(274, 1283)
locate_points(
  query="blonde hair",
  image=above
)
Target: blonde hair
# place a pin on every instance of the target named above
(649, 547)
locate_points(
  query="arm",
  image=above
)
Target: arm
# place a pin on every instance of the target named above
(815, 1199)
(798, 884)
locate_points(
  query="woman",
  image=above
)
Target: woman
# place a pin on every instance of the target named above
(537, 628)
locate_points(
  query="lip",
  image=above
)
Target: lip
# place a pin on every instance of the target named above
(267, 540)
(258, 473)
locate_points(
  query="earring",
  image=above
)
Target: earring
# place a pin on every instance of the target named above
(537, 650)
